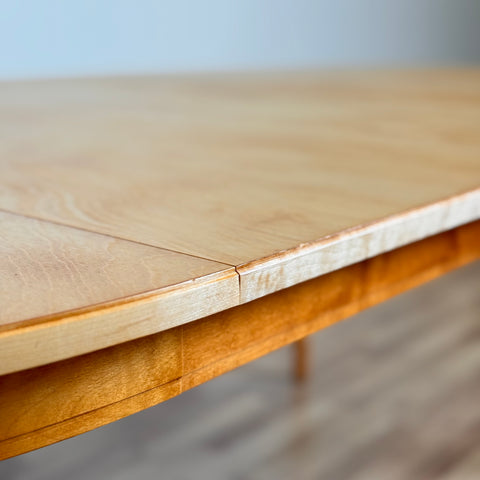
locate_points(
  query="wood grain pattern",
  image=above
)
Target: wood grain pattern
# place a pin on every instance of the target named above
(260, 166)
(109, 384)
(288, 268)
(77, 288)
(255, 328)
(392, 394)
(88, 382)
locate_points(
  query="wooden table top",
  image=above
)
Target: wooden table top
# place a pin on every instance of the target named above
(132, 205)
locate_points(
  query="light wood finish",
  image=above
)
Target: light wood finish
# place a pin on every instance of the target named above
(132, 209)
(255, 165)
(64, 291)
(393, 395)
(53, 402)
(283, 176)
(310, 260)
(256, 328)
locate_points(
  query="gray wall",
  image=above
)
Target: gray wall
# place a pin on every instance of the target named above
(53, 37)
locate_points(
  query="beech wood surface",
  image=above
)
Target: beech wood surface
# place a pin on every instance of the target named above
(253, 164)
(46, 269)
(239, 167)
(134, 204)
(65, 291)
(53, 402)
(392, 394)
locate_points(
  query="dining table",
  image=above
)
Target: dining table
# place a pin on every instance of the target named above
(157, 231)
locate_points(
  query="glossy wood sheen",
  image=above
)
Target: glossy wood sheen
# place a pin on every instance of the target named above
(253, 164)
(283, 176)
(64, 291)
(392, 395)
(53, 402)
(46, 269)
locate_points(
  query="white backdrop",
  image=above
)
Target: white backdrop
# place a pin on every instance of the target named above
(78, 37)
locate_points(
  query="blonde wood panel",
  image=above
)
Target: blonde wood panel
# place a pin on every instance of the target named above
(252, 330)
(236, 168)
(64, 292)
(54, 402)
(287, 177)
(308, 261)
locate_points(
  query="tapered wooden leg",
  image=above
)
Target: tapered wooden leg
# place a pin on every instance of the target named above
(301, 359)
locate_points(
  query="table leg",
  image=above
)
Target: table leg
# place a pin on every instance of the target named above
(301, 359)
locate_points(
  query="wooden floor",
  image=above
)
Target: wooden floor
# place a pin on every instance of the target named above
(394, 394)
